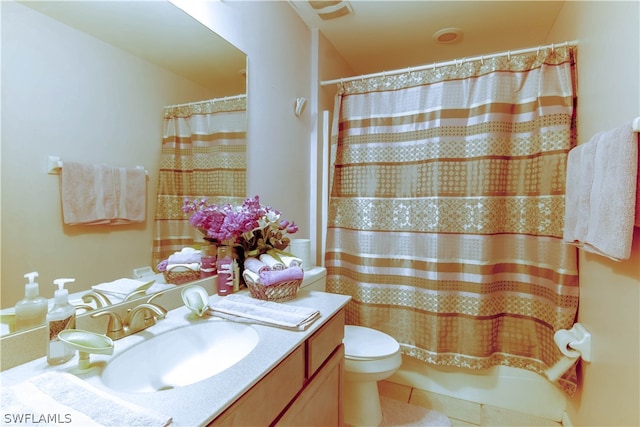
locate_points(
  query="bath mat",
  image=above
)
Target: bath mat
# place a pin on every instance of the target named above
(399, 414)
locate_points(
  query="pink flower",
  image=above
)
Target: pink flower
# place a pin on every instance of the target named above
(255, 227)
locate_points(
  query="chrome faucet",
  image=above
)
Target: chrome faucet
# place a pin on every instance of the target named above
(134, 322)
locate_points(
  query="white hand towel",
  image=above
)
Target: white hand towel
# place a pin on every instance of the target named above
(609, 208)
(578, 191)
(240, 308)
(72, 402)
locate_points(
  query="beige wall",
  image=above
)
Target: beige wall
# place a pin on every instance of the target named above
(608, 95)
(68, 94)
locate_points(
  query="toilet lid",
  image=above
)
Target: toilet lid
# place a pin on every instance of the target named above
(366, 343)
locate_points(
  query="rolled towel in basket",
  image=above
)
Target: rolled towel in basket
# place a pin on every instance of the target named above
(255, 265)
(250, 276)
(185, 256)
(268, 278)
(195, 266)
(291, 260)
(273, 263)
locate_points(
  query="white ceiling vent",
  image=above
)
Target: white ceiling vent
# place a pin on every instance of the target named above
(329, 9)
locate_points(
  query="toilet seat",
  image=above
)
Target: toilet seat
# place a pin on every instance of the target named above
(361, 343)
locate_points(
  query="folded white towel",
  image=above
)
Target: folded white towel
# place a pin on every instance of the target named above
(118, 289)
(72, 402)
(122, 286)
(273, 263)
(241, 308)
(604, 198)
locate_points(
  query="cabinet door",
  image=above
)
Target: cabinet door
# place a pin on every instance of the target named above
(320, 403)
(262, 403)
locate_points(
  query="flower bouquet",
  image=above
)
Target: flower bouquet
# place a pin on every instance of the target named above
(258, 232)
(257, 229)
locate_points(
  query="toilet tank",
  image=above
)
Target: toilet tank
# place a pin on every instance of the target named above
(315, 279)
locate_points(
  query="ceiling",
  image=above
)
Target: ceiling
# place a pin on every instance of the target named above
(386, 35)
(378, 35)
(158, 32)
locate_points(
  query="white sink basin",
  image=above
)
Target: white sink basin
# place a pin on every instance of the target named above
(180, 357)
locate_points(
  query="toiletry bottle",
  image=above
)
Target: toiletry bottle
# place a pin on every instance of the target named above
(225, 270)
(62, 316)
(31, 311)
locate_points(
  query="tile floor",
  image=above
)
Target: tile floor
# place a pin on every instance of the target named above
(462, 413)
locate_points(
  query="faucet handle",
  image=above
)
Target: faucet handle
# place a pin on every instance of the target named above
(151, 312)
(98, 297)
(115, 328)
(134, 294)
(85, 307)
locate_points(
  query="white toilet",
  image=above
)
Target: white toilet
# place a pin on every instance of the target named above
(370, 356)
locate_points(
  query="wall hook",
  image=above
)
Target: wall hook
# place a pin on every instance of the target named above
(299, 106)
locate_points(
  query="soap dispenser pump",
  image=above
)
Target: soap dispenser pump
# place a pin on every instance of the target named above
(62, 316)
(31, 311)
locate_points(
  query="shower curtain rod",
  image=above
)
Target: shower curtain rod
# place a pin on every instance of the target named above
(225, 98)
(453, 62)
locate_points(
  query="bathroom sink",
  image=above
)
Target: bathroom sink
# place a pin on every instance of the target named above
(180, 357)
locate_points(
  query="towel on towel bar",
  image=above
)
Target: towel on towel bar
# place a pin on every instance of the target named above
(240, 308)
(73, 402)
(100, 194)
(600, 202)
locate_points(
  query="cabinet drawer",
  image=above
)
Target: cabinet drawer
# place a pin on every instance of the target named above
(323, 342)
(263, 403)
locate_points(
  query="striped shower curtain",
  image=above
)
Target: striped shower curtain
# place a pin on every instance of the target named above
(446, 209)
(203, 155)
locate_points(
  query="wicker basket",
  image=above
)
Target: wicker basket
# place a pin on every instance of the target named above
(278, 292)
(180, 274)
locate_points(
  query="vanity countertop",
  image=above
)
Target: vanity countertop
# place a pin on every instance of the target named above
(199, 403)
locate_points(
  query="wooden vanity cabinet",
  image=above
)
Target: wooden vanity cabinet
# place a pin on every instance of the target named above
(304, 389)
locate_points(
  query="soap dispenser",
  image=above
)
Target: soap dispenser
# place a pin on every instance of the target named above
(62, 316)
(31, 311)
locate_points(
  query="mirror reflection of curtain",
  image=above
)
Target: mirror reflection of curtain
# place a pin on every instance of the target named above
(446, 210)
(203, 156)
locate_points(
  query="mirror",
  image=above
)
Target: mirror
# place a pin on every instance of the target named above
(88, 81)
